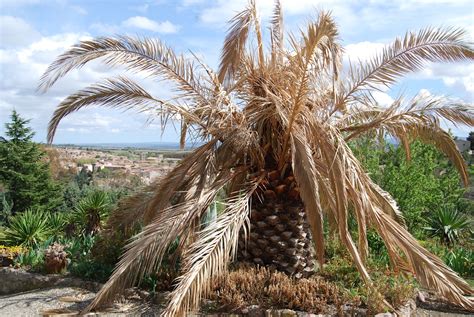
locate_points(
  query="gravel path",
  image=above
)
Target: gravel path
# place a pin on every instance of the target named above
(65, 301)
(69, 301)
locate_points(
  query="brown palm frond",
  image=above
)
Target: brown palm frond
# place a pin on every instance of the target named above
(130, 210)
(445, 143)
(360, 120)
(149, 56)
(234, 44)
(306, 176)
(419, 119)
(119, 92)
(429, 270)
(144, 254)
(319, 44)
(337, 156)
(406, 55)
(277, 33)
(387, 202)
(208, 257)
(258, 33)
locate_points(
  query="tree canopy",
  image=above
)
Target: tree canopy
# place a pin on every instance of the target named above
(24, 171)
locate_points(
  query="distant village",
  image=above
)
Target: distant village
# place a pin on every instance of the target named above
(147, 165)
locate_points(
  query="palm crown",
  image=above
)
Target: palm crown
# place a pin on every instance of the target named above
(290, 108)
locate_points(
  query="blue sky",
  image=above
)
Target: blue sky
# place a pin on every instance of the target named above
(34, 32)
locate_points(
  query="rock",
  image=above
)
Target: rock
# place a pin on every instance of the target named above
(287, 313)
(161, 297)
(409, 309)
(385, 315)
(16, 281)
(253, 311)
(421, 296)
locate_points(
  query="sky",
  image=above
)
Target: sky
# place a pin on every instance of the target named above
(34, 32)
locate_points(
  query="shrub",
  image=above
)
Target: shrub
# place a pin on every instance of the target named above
(3, 235)
(55, 258)
(82, 263)
(33, 258)
(387, 285)
(461, 261)
(248, 285)
(5, 208)
(28, 228)
(9, 254)
(394, 288)
(447, 224)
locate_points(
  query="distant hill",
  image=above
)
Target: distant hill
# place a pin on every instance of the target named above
(143, 145)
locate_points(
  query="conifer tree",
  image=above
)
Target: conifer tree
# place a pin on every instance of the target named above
(24, 171)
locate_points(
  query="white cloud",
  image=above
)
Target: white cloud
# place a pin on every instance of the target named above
(103, 28)
(141, 8)
(363, 51)
(459, 75)
(79, 9)
(382, 98)
(17, 3)
(192, 2)
(16, 32)
(150, 25)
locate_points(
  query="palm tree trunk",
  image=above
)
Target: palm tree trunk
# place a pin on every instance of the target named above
(279, 233)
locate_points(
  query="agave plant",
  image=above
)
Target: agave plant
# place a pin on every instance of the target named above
(91, 212)
(274, 124)
(57, 223)
(29, 228)
(448, 224)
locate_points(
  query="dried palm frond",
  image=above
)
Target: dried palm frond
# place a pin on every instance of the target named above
(234, 44)
(407, 55)
(277, 34)
(419, 119)
(120, 93)
(290, 112)
(209, 255)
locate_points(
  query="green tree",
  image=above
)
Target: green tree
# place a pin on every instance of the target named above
(24, 172)
(421, 185)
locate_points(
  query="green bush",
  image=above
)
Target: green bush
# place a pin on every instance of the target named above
(82, 263)
(33, 259)
(420, 186)
(461, 261)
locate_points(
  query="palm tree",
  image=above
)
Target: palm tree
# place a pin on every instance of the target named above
(285, 112)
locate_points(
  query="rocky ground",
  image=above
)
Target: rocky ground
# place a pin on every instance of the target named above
(68, 301)
(28, 294)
